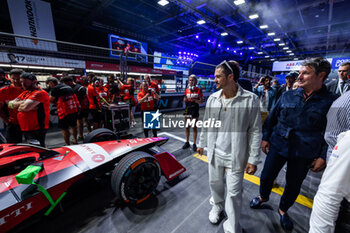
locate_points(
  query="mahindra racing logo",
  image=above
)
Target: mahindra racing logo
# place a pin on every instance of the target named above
(15, 213)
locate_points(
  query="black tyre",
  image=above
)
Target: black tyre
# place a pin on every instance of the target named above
(100, 135)
(136, 177)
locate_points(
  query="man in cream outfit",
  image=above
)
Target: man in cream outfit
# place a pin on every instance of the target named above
(233, 148)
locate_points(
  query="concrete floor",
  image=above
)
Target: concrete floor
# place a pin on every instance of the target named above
(180, 207)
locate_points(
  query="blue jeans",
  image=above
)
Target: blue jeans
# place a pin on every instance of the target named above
(297, 169)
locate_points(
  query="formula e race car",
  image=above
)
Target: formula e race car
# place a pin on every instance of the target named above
(34, 179)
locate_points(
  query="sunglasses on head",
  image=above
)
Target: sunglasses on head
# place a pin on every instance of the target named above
(227, 65)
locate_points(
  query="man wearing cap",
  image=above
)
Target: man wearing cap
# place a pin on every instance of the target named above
(290, 80)
(67, 108)
(33, 106)
(266, 94)
(4, 82)
(9, 116)
(342, 84)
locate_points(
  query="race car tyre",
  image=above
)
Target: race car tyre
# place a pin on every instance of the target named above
(100, 135)
(136, 177)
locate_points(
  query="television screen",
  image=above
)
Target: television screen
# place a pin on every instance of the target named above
(126, 44)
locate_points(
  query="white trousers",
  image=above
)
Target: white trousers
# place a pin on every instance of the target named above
(233, 201)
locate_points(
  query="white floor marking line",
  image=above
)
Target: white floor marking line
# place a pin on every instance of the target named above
(175, 137)
(190, 215)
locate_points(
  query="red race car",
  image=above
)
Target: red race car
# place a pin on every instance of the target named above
(33, 178)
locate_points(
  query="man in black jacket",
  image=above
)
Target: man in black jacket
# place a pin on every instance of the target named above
(290, 80)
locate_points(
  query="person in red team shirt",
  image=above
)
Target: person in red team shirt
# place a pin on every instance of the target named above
(127, 95)
(81, 93)
(33, 106)
(67, 108)
(9, 116)
(152, 85)
(193, 97)
(95, 103)
(146, 98)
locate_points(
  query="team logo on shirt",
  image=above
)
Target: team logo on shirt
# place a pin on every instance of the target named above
(151, 120)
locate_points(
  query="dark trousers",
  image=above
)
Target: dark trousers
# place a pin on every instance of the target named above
(38, 135)
(13, 133)
(297, 169)
(343, 223)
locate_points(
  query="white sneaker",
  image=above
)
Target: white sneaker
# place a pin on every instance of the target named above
(214, 214)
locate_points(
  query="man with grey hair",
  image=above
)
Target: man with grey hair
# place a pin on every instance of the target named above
(293, 134)
(342, 84)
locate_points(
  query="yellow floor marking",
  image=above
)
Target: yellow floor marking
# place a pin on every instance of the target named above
(305, 201)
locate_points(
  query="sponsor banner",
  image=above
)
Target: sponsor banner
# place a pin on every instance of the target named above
(172, 67)
(136, 69)
(289, 65)
(23, 59)
(32, 18)
(102, 66)
(338, 61)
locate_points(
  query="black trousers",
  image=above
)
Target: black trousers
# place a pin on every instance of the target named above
(38, 135)
(343, 222)
(297, 169)
(13, 133)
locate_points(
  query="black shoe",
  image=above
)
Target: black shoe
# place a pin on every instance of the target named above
(285, 221)
(194, 147)
(255, 203)
(187, 145)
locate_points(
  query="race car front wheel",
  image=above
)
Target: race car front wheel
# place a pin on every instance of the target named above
(136, 177)
(100, 135)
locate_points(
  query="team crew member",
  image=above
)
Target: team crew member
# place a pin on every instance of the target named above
(152, 85)
(333, 191)
(293, 134)
(147, 99)
(127, 92)
(81, 93)
(234, 147)
(4, 82)
(193, 97)
(112, 89)
(94, 103)
(33, 106)
(67, 108)
(9, 116)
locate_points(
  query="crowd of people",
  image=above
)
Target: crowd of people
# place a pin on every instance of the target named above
(303, 123)
(25, 107)
(304, 127)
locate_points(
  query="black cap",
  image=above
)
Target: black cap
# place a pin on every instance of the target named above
(2, 72)
(293, 74)
(52, 79)
(16, 71)
(66, 79)
(29, 76)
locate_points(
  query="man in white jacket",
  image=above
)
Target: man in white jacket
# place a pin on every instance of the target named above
(233, 148)
(333, 189)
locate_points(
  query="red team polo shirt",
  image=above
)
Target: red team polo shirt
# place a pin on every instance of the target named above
(92, 97)
(7, 94)
(39, 117)
(195, 94)
(148, 105)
